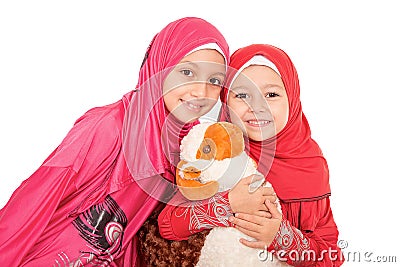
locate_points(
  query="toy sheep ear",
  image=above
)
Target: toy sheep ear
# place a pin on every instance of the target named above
(223, 140)
(236, 139)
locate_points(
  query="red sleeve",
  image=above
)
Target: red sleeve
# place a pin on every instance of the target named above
(309, 235)
(181, 218)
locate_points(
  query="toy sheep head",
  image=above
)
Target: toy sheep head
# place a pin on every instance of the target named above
(205, 156)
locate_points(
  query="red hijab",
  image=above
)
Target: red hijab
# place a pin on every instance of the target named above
(297, 168)
(151, 135)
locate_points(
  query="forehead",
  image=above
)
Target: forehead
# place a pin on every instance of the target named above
(259, 75)
(205, 55)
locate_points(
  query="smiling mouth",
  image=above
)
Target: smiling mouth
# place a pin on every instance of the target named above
(193, 105)
(258, 123)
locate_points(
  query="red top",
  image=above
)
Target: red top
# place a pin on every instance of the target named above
(298, 173)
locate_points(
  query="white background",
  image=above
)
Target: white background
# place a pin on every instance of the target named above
(60, 58)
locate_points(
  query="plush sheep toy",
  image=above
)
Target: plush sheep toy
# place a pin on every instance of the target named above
(213, 160)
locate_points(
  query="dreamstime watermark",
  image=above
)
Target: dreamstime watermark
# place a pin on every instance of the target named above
(364, 256)
(331, 254)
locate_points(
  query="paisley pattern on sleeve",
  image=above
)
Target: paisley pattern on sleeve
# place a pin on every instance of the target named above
(206, 214)
(290, 240)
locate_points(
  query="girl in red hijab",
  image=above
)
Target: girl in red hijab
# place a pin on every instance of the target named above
(84, 205)
(264, 100)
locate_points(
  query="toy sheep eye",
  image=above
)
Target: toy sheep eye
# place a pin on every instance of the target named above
(206, 149)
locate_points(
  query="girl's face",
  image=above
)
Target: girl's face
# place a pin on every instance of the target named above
(258, 102)
(192, 88)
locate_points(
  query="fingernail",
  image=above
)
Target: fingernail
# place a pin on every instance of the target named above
(231, 219)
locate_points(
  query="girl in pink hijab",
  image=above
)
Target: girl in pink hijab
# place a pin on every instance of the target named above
(85, 203)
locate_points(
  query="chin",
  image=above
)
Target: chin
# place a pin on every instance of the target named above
(257, 138)
(186, 119)
(185, 116)
(260, 136)
(191, 120)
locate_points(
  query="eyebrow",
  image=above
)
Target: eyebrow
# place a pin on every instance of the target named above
(262, 87)
(189, 63)
(220, 73)
(237, 88)
(269, 85)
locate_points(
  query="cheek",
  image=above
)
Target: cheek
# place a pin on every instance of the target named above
(171, 100)
(237, 113)
(167, 84)
(167, 103)
(236, 120)
(236, 110)
(214, 93)
(280, 112)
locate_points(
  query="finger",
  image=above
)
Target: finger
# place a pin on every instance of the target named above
(249, 219)
(262, 205)
(249, 227)
(268, 191)
(252, 244)
(271, 199)
(247, 232)
(248, 180)
(273, 210)
(256, 182)
(263, 213)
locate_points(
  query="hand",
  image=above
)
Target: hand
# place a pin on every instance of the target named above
(262, 229)
(245, 200)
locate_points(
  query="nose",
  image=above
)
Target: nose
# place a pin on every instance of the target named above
(258, 105)
(199, 89)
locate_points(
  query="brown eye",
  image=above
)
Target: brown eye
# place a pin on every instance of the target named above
(269, 95)
(242, 95)
(215, 81)
(206, 149)
(187, 72)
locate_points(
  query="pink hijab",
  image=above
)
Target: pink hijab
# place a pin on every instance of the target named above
(151, 135)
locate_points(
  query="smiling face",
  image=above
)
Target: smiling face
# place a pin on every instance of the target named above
(258, 102)
(192, 88)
